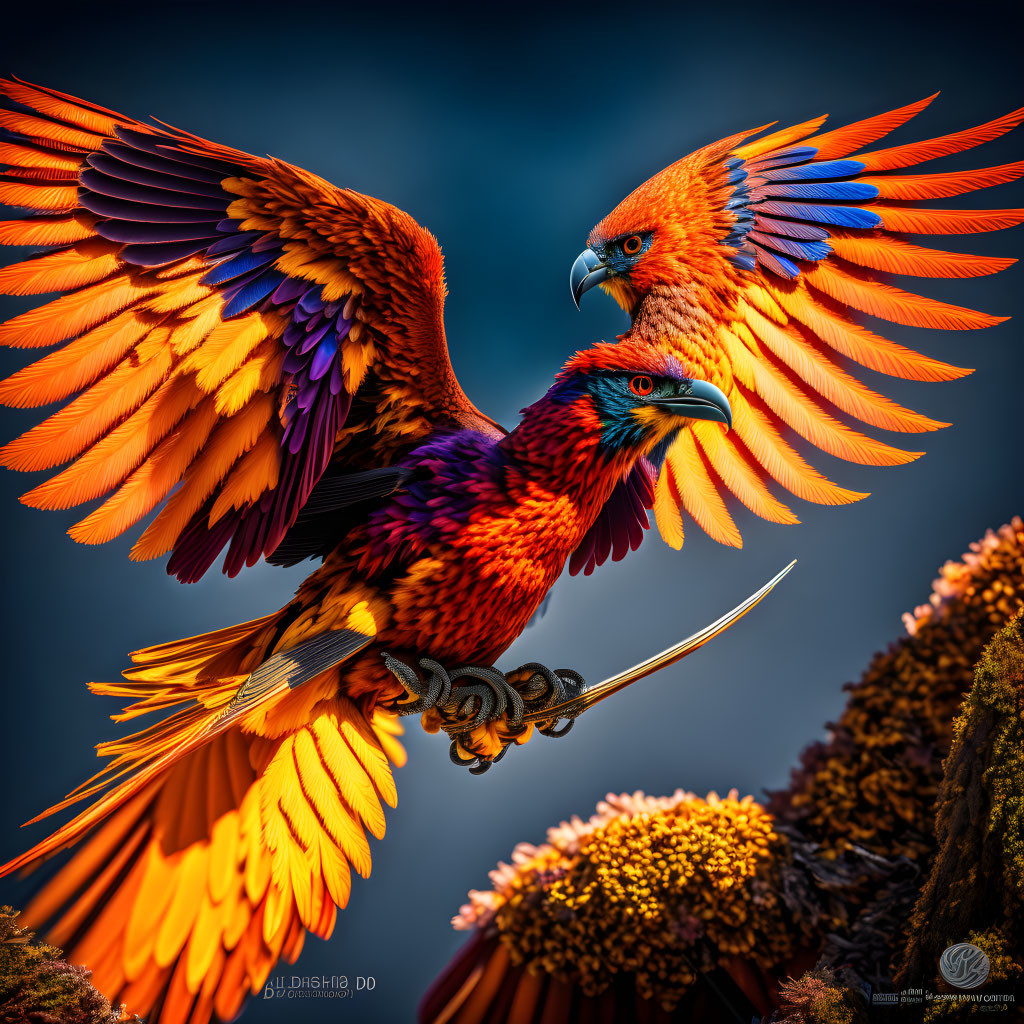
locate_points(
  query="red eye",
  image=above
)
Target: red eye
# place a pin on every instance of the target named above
(642, 385)
(632, 245)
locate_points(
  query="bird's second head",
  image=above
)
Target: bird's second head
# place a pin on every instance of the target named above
(651, 238)
(636, 396)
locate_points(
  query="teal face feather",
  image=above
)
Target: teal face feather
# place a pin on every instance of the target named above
(634, 408)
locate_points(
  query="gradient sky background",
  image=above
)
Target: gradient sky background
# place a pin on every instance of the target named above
(509, 136)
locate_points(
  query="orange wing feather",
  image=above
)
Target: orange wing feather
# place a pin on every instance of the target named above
(210, 849)
(140, 313)
(763, 254)
(208, 877)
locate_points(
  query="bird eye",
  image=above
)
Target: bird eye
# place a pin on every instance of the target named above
(632, 245)
(642, 385)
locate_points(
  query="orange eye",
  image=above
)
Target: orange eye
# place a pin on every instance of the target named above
(642, 385)
(632, 245)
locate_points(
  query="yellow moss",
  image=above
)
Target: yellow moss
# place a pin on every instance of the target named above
(998, 692)
(656, 888)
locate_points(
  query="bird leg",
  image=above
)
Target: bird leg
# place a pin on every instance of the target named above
(497, 709)
(542, 688)
(471, 696)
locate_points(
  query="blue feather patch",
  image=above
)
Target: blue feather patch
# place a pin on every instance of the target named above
(243, 263)
(313, 336)
(323, 357)
(824, 169)
(836, 191)
(845, 216)
(232, 243)
(744, 260)
(812, 251)
(312, 302)
(254, 291)
(776, 263)
(791, 229)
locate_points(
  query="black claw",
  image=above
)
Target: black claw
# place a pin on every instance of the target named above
(547, 686)
(484, 765)
(554, 732)
(435, 691)
(457, 758)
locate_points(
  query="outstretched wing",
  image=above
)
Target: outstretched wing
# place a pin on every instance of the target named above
(230, 324)
(186, 897)
(786, 238)
(217, 836)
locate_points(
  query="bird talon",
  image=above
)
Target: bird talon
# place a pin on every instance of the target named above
(422, 695)
(463, 762)
(549, 688)
(477, 764)
(554, 731)
(462, 706)
(487, 695)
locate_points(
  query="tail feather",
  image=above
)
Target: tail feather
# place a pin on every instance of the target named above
(208, 851)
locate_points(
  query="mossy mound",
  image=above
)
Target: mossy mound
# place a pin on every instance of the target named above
(976, 884)
(37, 986)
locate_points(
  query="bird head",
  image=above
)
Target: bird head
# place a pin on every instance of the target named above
(651, 238)
(641, 396)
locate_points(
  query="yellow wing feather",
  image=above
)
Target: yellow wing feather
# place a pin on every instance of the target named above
(220, 863)
(755, 279)
(133, 284)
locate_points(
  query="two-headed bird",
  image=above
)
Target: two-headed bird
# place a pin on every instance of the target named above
(262, 356)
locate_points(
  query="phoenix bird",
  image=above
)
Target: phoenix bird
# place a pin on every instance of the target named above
(747, 258)
(261, 356)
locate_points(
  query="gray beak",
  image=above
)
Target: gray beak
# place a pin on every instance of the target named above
(698, 400)
(587, 271)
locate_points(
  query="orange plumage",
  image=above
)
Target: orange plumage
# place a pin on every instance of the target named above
(217, 836)
(757, 256)
(254, 333)
(141, 311)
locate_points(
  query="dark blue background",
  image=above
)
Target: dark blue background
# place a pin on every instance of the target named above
(509, 135)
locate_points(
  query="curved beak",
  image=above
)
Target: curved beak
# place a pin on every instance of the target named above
(587, 271)
(698, 400)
